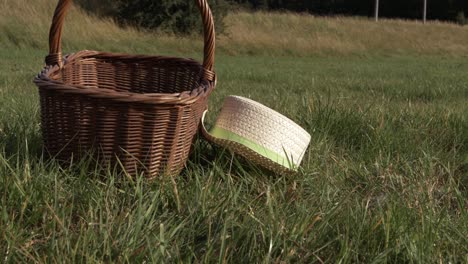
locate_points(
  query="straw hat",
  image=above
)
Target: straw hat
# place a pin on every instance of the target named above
(259, 134)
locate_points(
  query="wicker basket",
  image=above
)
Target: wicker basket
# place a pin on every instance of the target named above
(139, 111)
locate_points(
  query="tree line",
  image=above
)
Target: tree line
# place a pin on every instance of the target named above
(181, 15)
(449, 10)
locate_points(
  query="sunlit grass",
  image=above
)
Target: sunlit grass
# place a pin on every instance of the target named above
(25, 24)
(384, 180)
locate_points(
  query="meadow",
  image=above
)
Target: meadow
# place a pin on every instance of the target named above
(384, 180)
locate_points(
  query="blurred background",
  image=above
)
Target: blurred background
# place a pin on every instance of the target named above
(175, 15)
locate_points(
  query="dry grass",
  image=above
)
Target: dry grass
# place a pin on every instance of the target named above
(305, 34)
(26, 25)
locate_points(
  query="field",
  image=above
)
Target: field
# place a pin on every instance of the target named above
(384, 180)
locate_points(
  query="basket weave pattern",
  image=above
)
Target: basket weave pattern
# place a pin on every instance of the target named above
(137, 110)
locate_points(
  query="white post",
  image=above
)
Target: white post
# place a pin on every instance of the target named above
(425, 11)
(376, 12)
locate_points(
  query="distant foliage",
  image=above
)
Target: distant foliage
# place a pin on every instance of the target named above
(181, 16)
(177, 16)
(461, 19)
(100, 7)
(437, 9)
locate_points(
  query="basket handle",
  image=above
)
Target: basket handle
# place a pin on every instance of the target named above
(55, 36)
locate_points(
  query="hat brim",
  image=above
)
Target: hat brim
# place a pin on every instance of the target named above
(264, 158)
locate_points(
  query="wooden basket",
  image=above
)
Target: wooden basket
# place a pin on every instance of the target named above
(139, 111)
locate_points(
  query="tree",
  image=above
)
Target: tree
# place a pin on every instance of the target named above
(172, 15)
(179, 16)
(99, 7)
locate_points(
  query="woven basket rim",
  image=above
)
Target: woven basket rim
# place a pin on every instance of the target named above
(44, 81)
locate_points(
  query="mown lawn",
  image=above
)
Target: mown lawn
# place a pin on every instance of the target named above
(385, 178)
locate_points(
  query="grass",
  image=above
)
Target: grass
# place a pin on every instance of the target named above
(299, 35)
(384, 180)
(25, 25)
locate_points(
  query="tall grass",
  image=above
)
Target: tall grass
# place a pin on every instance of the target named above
(305, 34)
(25, 24)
